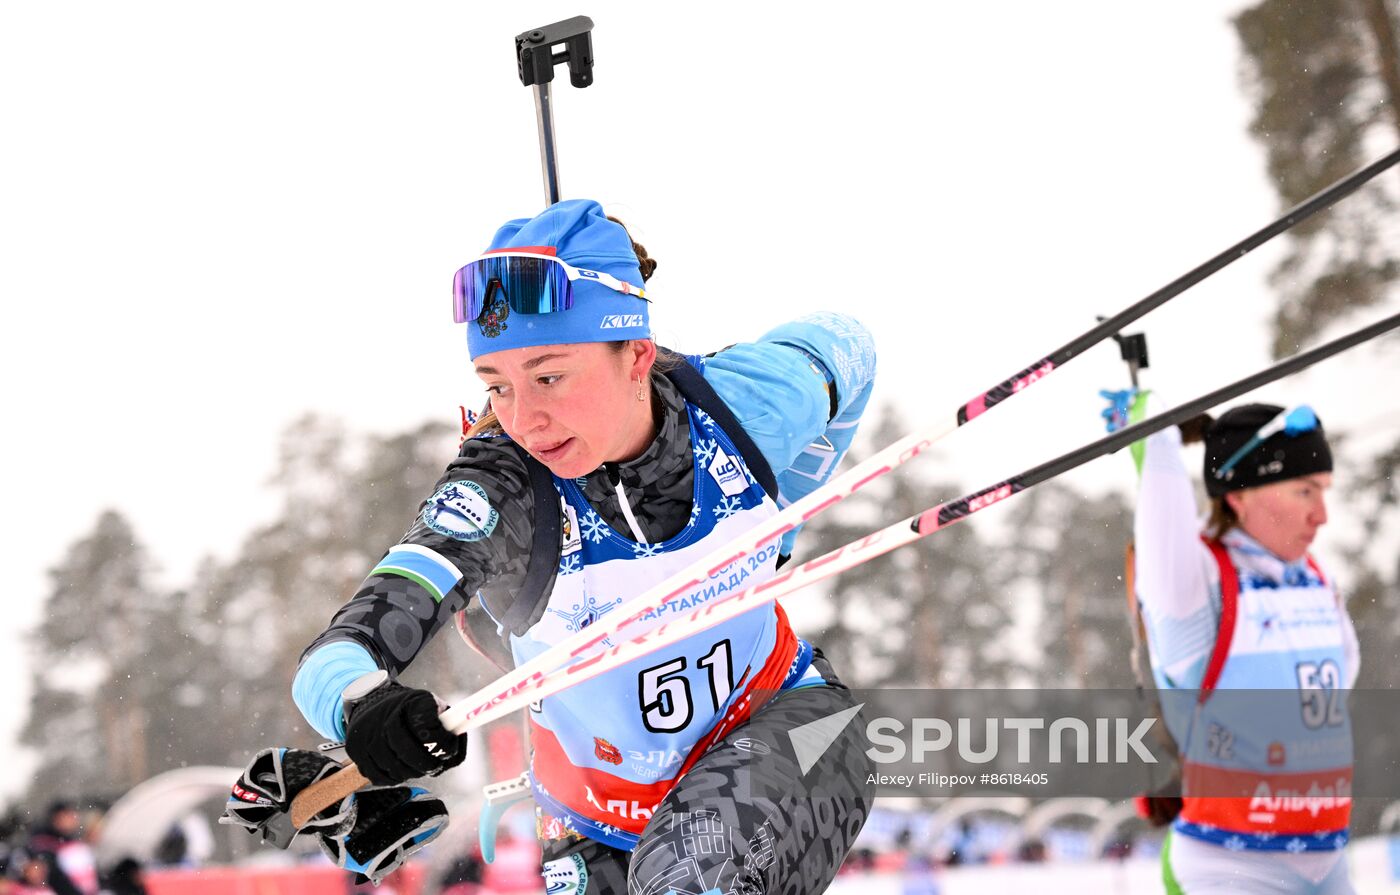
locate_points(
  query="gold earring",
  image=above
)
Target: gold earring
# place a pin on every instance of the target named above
(640, 395)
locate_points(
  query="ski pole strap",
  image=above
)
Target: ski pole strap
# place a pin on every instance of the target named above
(1229, 608)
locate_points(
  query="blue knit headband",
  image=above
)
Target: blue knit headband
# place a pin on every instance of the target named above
(582, 235)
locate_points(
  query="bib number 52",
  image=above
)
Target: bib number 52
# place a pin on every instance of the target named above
(1320, 691)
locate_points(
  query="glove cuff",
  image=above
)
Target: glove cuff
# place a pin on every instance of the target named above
(393, 823)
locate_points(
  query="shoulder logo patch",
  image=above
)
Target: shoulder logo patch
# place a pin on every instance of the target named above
(462, 511)
(727, 474)
(566, 876)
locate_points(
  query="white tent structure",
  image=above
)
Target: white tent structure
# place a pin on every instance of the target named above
(139, 820)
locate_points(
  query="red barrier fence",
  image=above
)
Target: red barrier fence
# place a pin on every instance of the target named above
(516, 871)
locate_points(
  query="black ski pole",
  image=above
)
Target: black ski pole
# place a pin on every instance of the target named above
(1117, 322)
(535, 58)
(946, 514)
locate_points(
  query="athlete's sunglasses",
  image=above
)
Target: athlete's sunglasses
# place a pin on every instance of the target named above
(531, 280)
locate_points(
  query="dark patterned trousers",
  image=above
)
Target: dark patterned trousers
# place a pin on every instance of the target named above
(747, 819)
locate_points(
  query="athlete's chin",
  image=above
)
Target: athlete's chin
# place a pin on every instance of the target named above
(1299, 549)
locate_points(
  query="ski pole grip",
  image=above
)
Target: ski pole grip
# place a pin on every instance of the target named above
(324, 793)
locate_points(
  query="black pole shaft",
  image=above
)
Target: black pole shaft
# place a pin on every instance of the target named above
(948, 513)
(1302, 211)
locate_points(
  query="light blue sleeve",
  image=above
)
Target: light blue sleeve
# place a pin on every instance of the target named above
(322, 677)
(783, 403)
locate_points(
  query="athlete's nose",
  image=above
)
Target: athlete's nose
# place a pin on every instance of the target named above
(527, 414)
(1319, 513)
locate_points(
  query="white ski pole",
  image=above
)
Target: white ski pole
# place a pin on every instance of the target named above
(727, 606)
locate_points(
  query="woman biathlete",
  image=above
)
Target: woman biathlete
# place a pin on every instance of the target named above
(676, 772)
(1266, 776)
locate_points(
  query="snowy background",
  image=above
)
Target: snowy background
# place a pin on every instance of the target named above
(216, 218)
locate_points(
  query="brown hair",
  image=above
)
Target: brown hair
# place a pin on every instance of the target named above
(487, 424)
(1222, 516)
(644, 261)
(1222, 519)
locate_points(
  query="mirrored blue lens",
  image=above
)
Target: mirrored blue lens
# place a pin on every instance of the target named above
(524, 285)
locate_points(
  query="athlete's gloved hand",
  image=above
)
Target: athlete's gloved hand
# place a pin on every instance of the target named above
(1120, 404)
(389, 823)
(393, 734)
(263, 794)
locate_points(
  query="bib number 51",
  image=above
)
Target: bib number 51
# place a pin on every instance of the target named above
(664, 691)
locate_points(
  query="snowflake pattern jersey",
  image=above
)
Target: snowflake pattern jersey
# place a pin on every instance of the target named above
(651, 713)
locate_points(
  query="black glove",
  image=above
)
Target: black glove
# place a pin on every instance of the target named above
(263, 794)
(393, 734)
(390, 824)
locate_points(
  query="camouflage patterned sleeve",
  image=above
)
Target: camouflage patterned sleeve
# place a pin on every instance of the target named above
(475, 529)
